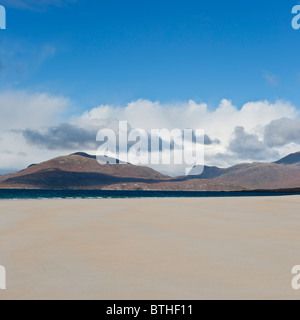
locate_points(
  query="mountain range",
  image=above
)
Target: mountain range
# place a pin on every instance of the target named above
(82, 171)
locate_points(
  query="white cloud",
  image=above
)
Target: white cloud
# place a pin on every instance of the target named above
(148, 115)
(20, 110)
(282, 131)
(249, 146)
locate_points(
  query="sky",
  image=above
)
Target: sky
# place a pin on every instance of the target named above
(70, 67)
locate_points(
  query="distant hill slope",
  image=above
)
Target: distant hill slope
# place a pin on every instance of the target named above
(284, 173)
(208, 173)
(263, 176)
(293, 158)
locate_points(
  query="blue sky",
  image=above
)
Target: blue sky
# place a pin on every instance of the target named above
(70, 67)
(117, 51)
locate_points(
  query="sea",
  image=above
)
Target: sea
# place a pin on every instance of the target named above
(13, 194)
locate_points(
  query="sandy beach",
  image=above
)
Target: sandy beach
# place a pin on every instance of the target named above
(206, 248)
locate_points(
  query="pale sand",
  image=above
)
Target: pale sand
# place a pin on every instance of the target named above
(210, 248)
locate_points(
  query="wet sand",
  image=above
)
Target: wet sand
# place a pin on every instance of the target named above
(209, 248)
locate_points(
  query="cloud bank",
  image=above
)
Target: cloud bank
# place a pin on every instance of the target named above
(238, 134)
(20, 110)
(33, 127)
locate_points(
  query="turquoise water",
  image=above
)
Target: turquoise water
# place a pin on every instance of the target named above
(86, 194)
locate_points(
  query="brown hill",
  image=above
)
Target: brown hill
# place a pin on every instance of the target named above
(76, 171)
(263, 176)
(283, 174)
(82, 171)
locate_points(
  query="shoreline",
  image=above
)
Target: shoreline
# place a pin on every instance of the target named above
(41, 194)
(148, 198)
